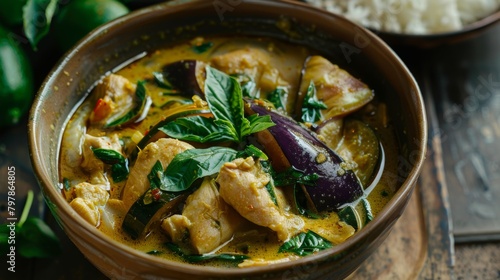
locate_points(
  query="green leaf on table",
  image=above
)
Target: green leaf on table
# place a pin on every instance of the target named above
(37, 17)
(35, 239)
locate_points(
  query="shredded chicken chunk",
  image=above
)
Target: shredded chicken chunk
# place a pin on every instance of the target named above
(114, 97)
(91, 163)
(163, 150)
(209, 220)
(89, 199)
(243, 186)
(255, 63)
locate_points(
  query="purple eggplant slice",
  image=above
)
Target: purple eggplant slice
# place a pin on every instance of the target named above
(288, 141)
(336, 88)
(187, 76)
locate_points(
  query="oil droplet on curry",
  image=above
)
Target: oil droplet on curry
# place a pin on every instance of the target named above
(229, 152)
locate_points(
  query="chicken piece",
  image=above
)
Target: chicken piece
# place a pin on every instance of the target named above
(243, 186)
(114, 96)
(253, 62)
(209, 219)
(89, 199)
(163, 150)
(177, 227)
(91, 163)
(341, 92)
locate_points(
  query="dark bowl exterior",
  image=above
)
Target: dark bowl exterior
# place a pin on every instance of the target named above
(107, 48)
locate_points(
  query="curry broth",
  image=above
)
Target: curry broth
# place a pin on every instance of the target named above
(259, 243)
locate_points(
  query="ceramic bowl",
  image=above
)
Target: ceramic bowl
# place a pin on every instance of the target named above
(352, 47)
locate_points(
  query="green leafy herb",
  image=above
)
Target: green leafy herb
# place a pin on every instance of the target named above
(311, 106)
(368, 210)
(108, 156)
(248, 85)
(119, 164)
(266, 166)
(197, 129)
(34, 238)
(300, 202)
(305, 243)
(37, 17)
(252, 151)
(194, 258)
(141, 99)
(277, 97)
(66, 184)
(224, 97)
(293, 176)
(201, 48)
(190, 165)
(154, 252)
(161, 81)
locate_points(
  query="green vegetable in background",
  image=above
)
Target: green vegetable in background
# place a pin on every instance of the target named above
(79, 17)
(37, 16)
(11, 12)
(16, 80)
(34, 238)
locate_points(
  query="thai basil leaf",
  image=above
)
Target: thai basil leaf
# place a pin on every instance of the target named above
(311, 106)
(224, 97)
(141, 99)
(156, 175)
(223, 94)
(300, 203)
(37, 17)
(257, 123)
(225, 100)
(194, 258)
(252, 151)
(161, 81)
(277, 97)
(108, 156)
(119, 164)
(190, 165)
(196, 128)
(120, 171)
(66, 184)
(368, 210)
(270, 187)
(248, 85)
(305, 243)
(293, 176)
(201, 48)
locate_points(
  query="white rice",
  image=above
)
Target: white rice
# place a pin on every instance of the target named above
(412, 16)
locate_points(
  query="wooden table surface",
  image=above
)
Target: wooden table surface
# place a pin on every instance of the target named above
(424, 243)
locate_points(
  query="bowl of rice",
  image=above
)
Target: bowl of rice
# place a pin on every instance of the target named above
(422, 23)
